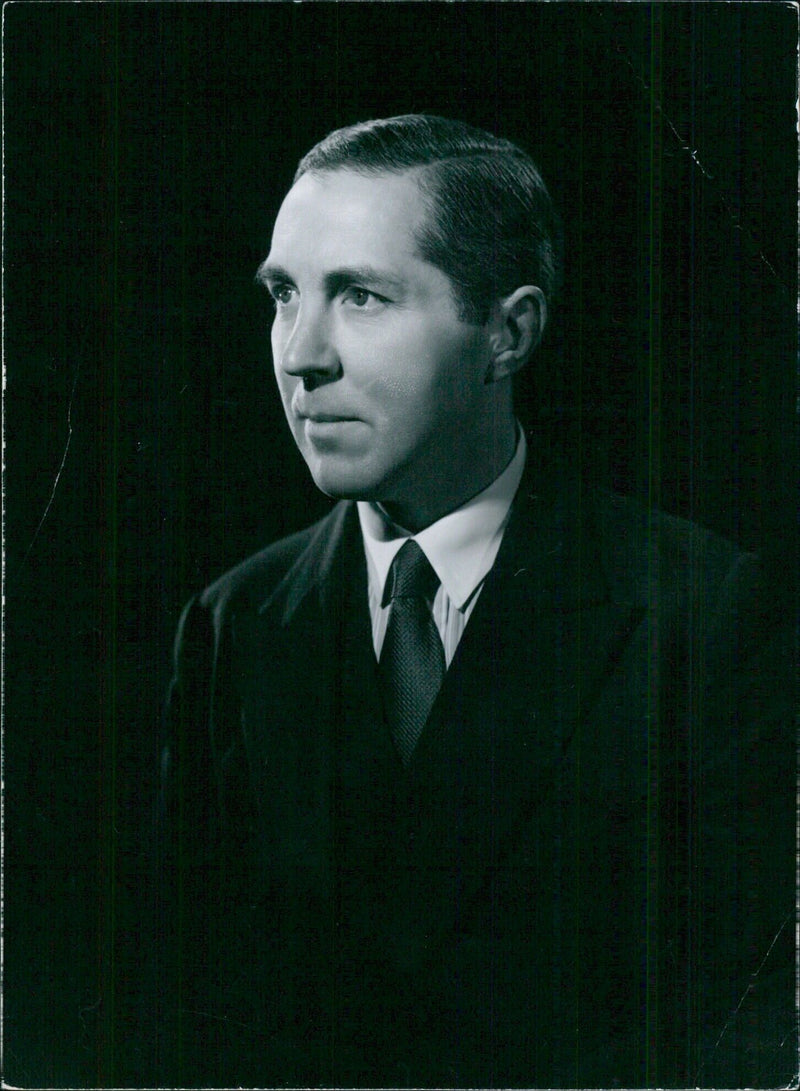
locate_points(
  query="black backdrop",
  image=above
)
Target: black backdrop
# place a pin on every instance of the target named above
(147, 148)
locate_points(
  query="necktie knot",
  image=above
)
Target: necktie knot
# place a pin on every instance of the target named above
(411, 574)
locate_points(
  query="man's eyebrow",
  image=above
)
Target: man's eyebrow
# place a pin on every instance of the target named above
(367, 275)
(270, 274)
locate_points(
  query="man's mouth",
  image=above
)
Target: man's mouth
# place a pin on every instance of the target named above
(325, 418)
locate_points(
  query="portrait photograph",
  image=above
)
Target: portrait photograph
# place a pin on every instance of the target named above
(400, 545)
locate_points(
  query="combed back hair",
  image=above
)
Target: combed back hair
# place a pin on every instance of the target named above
(491, 226)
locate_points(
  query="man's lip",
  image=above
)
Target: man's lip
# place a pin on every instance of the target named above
(325, 418)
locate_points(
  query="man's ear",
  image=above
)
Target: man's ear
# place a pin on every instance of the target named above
(516, 327)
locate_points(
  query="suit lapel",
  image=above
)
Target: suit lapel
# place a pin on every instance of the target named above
(543, 637)
(312, 714)
(286, 654)
(323, 767)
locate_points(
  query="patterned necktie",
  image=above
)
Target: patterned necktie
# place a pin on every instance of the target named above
(412, 658)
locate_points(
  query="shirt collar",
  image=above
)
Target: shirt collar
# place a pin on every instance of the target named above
(461, 546)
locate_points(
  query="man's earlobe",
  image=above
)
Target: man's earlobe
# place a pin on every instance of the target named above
(518, 322)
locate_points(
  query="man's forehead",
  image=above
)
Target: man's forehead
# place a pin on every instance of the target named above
(376, 208)
(345, 179)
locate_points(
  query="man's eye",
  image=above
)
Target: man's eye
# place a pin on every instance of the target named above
(362, 297)
(281, 293)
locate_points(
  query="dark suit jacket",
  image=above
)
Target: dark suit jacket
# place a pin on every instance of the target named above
(585, 876)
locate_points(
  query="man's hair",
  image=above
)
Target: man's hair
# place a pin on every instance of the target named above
(491, 226)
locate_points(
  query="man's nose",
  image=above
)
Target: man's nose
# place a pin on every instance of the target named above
(309, 352)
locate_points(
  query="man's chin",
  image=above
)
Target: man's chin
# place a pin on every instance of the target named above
(342, 486)
(359, 479)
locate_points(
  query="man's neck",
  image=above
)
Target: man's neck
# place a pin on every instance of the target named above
(434, 503)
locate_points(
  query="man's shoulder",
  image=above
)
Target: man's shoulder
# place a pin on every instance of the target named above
(631, 538)
(254, 580)
(641, 535)
(642, 544)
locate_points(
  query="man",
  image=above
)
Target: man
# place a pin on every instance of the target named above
(470, 783)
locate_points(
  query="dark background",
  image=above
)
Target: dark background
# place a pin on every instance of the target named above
(147, 148)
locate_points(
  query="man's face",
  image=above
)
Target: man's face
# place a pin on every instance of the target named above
(382, 383)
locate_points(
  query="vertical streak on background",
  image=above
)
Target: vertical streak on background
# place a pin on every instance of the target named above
(3, 224)
(796, 648)
(109, 477)
(653, 327)
(696, 309)
(693, 908)
(581, 906)
(184, 529)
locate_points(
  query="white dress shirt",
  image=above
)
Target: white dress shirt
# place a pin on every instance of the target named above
(461, 547)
